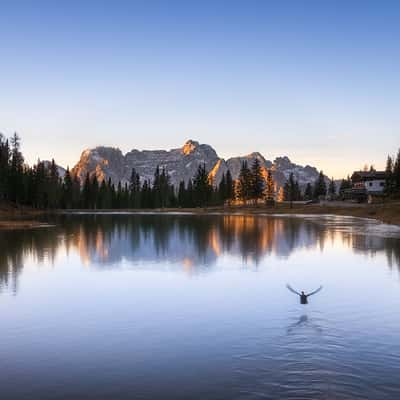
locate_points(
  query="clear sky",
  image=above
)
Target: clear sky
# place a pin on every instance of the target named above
(318, 81)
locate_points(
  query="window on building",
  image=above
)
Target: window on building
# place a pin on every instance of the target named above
(370, 183)
(381, 184)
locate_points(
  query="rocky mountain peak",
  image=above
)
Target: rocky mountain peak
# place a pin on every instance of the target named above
(189, 147)
(181, 164)
(283, 162)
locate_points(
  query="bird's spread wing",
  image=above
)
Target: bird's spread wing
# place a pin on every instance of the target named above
(315, 291)
(292, 290)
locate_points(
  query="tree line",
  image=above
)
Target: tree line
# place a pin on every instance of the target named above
(40, 186)
(392, 176)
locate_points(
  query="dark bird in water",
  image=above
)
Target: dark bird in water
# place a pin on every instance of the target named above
(303, 296)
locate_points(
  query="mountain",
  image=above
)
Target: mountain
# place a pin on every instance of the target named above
(181, 164)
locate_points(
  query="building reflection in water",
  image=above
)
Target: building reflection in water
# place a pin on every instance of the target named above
(191, 242)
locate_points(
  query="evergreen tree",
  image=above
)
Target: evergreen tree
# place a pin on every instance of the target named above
(396, 174)
(15, 181)
(86, 192)
(76, 192)
(222, 194)
(146, 195)
(182, 194)
(134, 188)
(230, 186)
(67, 190)
(296, 191)
(289, 189)
(119, 197)
(320, 186)
(102, 196)
(332, 188)
(94, 192)
(202, 188)
(257, 181)
(190, 195)
(53, 185)
(166, 191)
(156, 190)
(244, 185)
(308, 193)
(269, 188)
(40, 186)
(4, 167)
(389, 177)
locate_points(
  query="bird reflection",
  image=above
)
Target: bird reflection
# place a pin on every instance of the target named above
(304, 322)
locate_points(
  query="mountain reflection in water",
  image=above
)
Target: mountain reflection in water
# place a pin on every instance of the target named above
(187, 241)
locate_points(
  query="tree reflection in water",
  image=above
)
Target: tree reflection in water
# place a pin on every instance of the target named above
(193, 241)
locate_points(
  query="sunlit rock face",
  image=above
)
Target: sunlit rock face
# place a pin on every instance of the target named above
(103, 162)
(182, 164)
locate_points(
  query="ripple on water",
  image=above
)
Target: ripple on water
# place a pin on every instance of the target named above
(315, 359)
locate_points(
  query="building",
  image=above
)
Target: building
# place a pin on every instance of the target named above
(367, 185)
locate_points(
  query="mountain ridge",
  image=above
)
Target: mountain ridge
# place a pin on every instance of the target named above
(181, 164)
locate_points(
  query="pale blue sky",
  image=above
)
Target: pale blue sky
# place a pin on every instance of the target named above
(317, 81)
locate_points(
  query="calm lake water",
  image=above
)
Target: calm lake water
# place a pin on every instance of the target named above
(195, 307)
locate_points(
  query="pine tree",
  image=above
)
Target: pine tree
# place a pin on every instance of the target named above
(40, 186)
(146, 195)
(181, 194)
(76, 192)
(165, 189)
(396, 174)
(156, 190)
(320, 186)
(202, 188)
(53, 185)
(389, 177)
(102, 196)
(308, 193)
(190, 195)
(134, 188)
(296, 191)
(332, 188)
(15, 181)
(119, 197)
(270, 188)
(86, 192)
(257, 181)
(230, 187)
(222, 190)
(67, 190)
(4, 167)
(244, 185)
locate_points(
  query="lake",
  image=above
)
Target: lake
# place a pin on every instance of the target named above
(147, 306)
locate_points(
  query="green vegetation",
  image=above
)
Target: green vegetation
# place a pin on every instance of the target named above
(41, 187)
(392, 176)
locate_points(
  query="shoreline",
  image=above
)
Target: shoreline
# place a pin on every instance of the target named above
(388, 213)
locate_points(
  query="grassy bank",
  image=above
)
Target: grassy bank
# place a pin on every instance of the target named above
(13, 217)
(388, 213)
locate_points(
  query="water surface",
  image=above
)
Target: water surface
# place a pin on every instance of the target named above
(195, 307)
